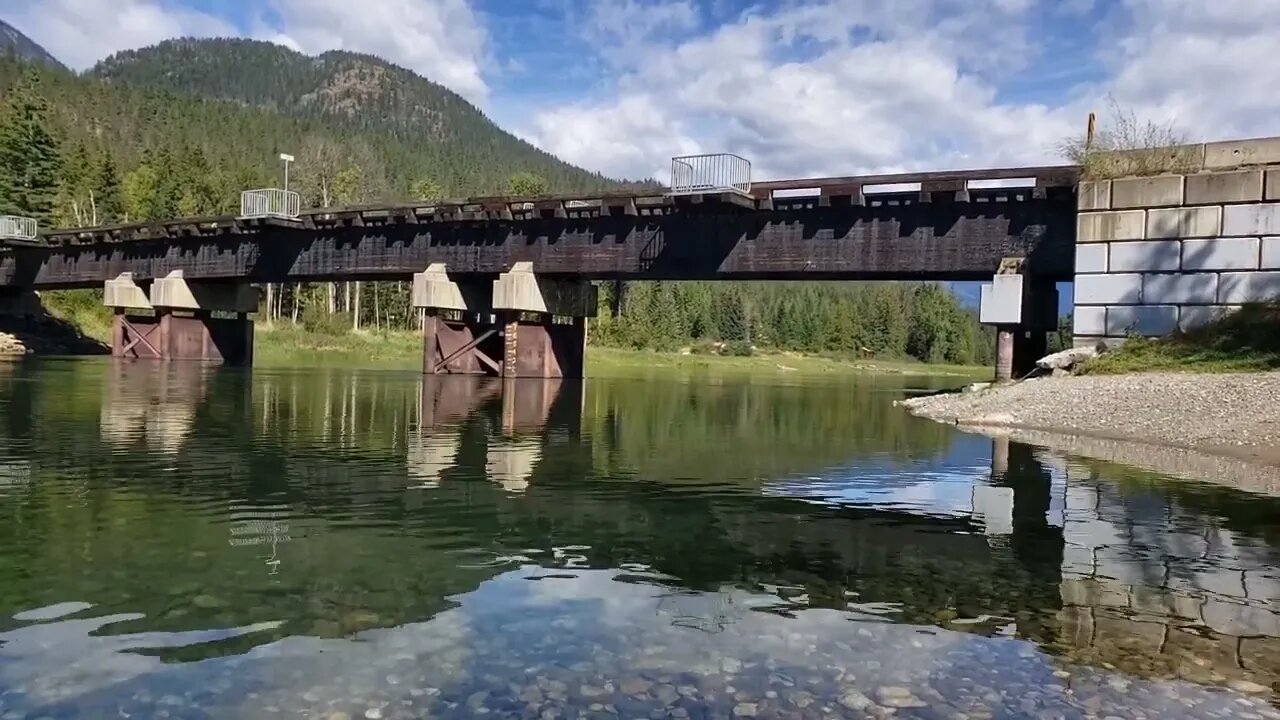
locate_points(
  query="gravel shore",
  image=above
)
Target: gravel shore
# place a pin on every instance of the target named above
(1236, 415)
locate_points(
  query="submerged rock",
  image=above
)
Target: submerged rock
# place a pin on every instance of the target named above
(855, 700)
(1246, 686)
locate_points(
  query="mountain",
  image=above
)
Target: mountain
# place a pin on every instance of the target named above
(420, 128)
(14, 42)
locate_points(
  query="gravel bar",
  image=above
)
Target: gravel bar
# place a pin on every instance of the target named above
(1236, 414)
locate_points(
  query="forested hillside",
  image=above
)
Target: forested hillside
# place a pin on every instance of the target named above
(14, 43)
(176, 153)
(417, 127)
(129, 143)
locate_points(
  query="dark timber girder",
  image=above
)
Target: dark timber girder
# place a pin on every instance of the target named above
(944, 231)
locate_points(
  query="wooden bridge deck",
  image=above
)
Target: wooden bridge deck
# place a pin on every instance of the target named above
(951, 227)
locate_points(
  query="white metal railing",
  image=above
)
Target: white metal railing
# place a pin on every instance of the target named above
(723, 172)
(13, 227)
(270, 202)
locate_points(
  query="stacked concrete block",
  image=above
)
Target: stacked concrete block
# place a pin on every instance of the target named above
(1172, 252)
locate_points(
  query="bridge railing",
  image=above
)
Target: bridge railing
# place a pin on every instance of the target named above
(270, 202)
(13, 227)
(722, 172)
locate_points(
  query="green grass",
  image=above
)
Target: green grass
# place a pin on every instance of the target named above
(1246, 340)
(602, 361)
(82, 309)
(285, 345)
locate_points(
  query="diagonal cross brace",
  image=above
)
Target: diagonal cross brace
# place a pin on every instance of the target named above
(139, 337)
(470, 346)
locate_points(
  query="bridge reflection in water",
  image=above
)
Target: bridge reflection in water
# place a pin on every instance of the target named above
(326, 503)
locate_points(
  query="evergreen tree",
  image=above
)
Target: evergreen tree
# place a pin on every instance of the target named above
(28, 154)
(140, 193)
(526, 184)
(105, 185)
(426, 188)
(72, 206)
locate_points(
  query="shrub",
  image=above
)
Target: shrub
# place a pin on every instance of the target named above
(1129, 146)
(317, 320)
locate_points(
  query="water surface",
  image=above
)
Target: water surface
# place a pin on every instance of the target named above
(191, 543)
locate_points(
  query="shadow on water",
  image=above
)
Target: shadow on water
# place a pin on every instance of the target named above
(204, 542)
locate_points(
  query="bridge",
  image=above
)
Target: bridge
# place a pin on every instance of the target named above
(505, 282)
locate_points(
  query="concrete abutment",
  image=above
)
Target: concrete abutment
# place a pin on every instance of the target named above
(1170, 253)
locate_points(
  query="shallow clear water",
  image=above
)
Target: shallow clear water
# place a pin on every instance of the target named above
(194, 543)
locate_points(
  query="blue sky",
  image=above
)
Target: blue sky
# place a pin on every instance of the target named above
(799, 87)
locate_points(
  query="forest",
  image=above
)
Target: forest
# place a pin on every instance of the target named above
(106, 147)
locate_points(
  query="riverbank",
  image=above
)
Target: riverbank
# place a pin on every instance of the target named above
(1231, 415)
(287, 346)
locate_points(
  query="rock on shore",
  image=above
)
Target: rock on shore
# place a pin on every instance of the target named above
(11, 345)
(1234, 414)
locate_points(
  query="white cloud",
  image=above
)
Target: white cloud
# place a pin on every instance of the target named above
(82, 32)
(856, 85)
(442, 40)
(818, 89)
(624, 29)
(631, 136)
(1208, 67)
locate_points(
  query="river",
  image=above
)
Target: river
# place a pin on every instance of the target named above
(186, 542)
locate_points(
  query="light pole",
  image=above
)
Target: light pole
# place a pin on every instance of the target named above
(287, 158)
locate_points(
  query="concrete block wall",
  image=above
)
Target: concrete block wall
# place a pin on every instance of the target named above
(1172, 252)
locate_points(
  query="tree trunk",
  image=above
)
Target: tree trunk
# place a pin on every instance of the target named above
(270, 302)
(296, 302)
(332, 289)
(346, 305)
(377, 323)
(355, 312)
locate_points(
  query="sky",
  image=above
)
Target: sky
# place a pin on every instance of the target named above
(824, 87)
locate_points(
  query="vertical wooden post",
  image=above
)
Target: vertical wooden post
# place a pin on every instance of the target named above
(1004, 353)
(430, 341)
(117, 333)
(510, 344)
(247, 355)
(578, 365)
(164, 317)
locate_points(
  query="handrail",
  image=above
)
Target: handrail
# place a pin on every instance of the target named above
(270, 202)
(13, 227)
(720, 172)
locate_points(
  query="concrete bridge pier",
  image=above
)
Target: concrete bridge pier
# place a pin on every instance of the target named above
(1023, 308)
(544, 323)
(198, 322)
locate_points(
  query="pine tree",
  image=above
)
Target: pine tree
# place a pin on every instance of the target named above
(72, 206)
(105, 185)
(526, 184)
(426, 188)
(28, 154)
(140, 192)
